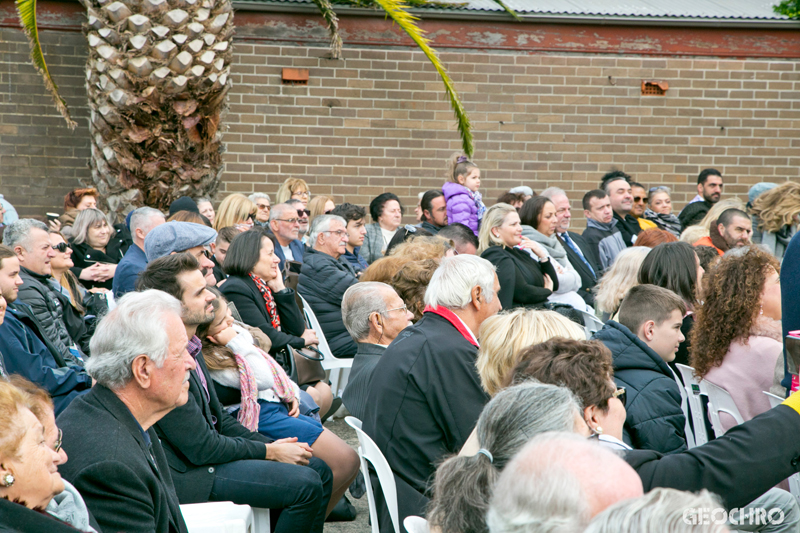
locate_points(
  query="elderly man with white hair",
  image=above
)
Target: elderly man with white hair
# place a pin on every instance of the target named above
(324, 280)
(141, 365)
(374, 315)
(426, 395)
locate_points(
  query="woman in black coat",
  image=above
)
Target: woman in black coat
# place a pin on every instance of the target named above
(98, 248)
(256, 288)
(524, 281)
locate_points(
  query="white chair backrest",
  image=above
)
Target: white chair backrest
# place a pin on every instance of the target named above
(369, 451)
(720, 401)
(339, 368)
(416, 524)
(694, 393)
(591, 322)
(313, 323)
(774, 399)
(690, 442)
(219, 517)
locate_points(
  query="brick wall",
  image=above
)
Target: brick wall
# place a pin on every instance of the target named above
(378, 120)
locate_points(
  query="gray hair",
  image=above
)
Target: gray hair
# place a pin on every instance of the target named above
(202, 199)
(452, 283)
(358, 304)
(144, 219)
(536, 494)
(86, 219)
(463, 485)
(133, 328)
(552, 192)
(321, 224)
(18, 233)
(660, 511)
(256, 195)
(277, 211)
(658, 189)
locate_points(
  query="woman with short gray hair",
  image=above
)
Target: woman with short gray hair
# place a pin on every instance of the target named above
(97, 245)
(463, 485)
(659, 210)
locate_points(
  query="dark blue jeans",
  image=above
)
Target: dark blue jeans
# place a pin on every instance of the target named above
(297, 495)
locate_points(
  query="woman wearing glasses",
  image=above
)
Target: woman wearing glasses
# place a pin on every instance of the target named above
(98, 248)
(293, 189)
(659, 210)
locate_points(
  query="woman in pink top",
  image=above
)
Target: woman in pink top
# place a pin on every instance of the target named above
(736, 340)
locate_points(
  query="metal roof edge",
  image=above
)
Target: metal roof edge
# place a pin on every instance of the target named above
(604, 20)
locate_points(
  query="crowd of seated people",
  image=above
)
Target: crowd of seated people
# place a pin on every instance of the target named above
(154, 362)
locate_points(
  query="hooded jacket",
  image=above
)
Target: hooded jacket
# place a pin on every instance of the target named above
(603, 243)
(462, 205)
(655, 420)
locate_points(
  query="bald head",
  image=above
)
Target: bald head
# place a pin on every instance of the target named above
(558, 482)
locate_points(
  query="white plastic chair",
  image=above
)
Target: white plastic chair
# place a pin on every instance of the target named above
(416, 524)
(774, 399)
(591, 322)
(339, 368)
(219, 517)
(694, 394)
(720, 401)
(690, 442)
(369, 451)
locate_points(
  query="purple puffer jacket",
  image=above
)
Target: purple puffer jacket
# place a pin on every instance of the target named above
(461, 206)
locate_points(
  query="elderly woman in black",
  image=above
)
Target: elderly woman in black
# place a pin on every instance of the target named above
(98, 249)
(256, 288)
(527, 277)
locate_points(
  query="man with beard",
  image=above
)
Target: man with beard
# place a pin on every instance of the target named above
(434, 211)
(709, 190)
(732, 229)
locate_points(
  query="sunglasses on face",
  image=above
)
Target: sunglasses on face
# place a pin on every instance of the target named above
(301, 212)
(61, 247)
(638, 199)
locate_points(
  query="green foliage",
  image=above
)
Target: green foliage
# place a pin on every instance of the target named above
(789, 8)
(326, 10)
(27, 17)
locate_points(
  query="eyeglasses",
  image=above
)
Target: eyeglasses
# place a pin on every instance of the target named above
(289, 220)
(303, 194)
(263, 206)
(338, 233)
(60, 438)
(61, 247)
(620, 395)
(301, 212)
(404, 308)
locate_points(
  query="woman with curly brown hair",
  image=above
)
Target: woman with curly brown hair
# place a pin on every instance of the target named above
(736, 341)
(778, 213)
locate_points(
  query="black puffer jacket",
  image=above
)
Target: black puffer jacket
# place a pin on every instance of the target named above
(323, 281)
(47, 309)
(85, 256)
(655, 419)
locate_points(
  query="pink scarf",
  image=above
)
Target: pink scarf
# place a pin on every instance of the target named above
(250, 409)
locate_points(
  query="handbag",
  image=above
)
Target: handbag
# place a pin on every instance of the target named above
(303, 365)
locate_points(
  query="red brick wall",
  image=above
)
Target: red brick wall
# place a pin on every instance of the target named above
(378, 119)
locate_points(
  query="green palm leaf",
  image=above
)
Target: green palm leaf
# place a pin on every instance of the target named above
(396, 10)
(326, 10)
(508, 10)
(27, 16)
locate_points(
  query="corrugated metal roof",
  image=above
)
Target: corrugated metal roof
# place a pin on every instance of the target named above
(633, 9)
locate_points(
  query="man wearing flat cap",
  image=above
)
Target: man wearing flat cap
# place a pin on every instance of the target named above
(183, 237)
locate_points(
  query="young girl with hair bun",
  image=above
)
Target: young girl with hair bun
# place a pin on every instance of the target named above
(464, 202)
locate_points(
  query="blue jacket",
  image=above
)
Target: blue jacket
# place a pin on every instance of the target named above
(25, 354)
(655, 420)
(128, 270)
(790, 288)
(297, 248)
(354, 260)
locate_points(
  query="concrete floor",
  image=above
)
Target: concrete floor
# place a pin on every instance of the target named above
(361, 523)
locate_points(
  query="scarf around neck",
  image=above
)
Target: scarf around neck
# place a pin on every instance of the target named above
(269, 301)
(610, 227)
(551, 244)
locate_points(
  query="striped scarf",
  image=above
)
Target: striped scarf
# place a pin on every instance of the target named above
(272, 308)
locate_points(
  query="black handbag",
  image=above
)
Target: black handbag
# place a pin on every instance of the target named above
(303, 365)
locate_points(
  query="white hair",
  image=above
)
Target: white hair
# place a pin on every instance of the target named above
(452, 283)
(256, 195)
(552, 192)
(18, 233)
(660, 511)
(358, 304)
(277, 211)
(135, 327)
(144, 219)
(321, 224)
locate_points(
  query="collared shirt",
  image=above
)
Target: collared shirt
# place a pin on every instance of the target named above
(194, 348)
(697, 198)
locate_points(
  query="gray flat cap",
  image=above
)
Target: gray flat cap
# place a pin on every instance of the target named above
(524, 189)
(176, 237)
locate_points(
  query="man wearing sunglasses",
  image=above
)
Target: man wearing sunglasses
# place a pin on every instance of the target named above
(646, 338)
(303, 214)
(285, 221)
(183, 237)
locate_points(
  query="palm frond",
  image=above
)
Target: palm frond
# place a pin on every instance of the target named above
(26, 10)
(326, 10)
(396, 10)
(508, 9)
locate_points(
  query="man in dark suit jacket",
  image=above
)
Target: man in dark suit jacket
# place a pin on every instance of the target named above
(426, 396)
(212, 456)
(573, 243)
(285, 225)
(374, 315)
(115, 458)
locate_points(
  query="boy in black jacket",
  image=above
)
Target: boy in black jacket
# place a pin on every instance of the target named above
(644, 340)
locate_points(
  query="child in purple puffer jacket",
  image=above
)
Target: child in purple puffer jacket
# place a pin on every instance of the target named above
(464, 203)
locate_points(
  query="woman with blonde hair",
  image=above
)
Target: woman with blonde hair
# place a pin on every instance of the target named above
(618, 280)
(235, 210)
(504, 335)
(778, 213)
(293, 188)
(320, 205)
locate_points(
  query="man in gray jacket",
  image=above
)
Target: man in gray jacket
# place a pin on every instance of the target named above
(602, 236)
